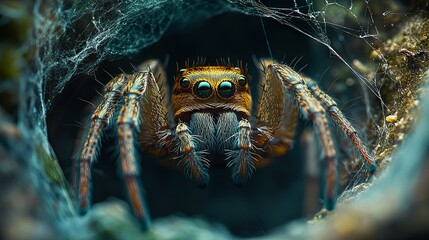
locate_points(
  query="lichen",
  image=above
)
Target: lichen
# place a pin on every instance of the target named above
(52, 168)
(403, 60)
(15, 25)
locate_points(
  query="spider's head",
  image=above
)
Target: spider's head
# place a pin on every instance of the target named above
(212, 89)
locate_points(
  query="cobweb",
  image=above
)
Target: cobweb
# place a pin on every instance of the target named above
(72, 38)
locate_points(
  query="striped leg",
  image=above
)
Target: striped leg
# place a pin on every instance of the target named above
(240, 159)
(332, 109)
(128, 125)
(142, 116)
(101, 118)
(195, 164)
(143, 108)
(310, 107)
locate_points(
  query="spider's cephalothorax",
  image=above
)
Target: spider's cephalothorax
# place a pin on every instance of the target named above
(211, 88)
(212, 101)
(210, 123)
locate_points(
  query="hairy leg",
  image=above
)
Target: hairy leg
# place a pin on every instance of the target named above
(294, 85)
(196, 166)
(101, 118)
(240, 158)
(331, 107)
(127, 127)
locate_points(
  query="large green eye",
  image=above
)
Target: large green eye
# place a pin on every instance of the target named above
(226, 89)
(242, 81)
(184, 82)
(203, 89)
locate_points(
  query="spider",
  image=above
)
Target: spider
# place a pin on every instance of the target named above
(209, 124)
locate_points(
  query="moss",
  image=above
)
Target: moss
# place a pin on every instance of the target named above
(404, 61)
(51, 167)
(15, 26)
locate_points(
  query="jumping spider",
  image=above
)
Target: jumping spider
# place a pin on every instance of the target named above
(211, 111)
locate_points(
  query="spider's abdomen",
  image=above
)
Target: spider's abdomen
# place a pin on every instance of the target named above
(214, 134)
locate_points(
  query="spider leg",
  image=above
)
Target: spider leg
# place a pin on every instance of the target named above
(195, 164)
(127, 126)
(101, 118)
(240, 159)
(143, 107)
(143, 115)
(331, 107)
(294, 85)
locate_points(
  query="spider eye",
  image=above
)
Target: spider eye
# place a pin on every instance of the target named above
(242, 81)
(226, 89)
(185, 83)
(203, 89)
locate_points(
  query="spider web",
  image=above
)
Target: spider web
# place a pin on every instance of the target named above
(73, 37)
